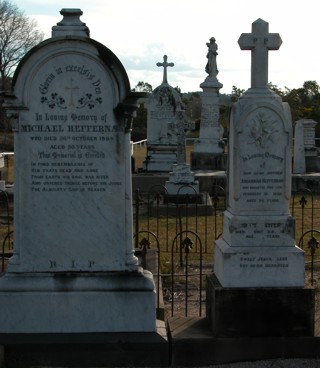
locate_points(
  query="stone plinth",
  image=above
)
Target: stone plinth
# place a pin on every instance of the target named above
(125, 349)
(259, 312)
(182, 181)
(247, 266)
(77, 303)
(160, 158)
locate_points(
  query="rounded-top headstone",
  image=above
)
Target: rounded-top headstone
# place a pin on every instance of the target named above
(72, 155)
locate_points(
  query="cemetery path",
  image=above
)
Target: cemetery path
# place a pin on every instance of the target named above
(274, 363)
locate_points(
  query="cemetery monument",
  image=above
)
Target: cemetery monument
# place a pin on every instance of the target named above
(73, 270)
(299, 156)
(306, 157)
(164, 106)
(257, 265)
(208, 151)
(181, 178)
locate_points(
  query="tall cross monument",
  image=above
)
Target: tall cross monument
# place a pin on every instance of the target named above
(257, 264)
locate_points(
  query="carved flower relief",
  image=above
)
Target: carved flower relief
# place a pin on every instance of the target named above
(262, 130)
(54, 101)
(57, 101)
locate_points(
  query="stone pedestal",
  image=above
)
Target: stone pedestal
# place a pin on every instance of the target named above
(125, 349)
(209, 147)
(182, 181)
(160, 158)
(77, 303)
(258, 267)
(259, 312)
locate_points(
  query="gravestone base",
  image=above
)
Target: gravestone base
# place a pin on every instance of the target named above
(185, 198)
(69, 302)
(259, 312)
(181, 189)
(250, 266)
(160, 159)
(312, 163)
(208, 161)
(191, 205)
(131, 349)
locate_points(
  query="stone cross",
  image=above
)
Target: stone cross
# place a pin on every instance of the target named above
(165, 65)
(260, 41)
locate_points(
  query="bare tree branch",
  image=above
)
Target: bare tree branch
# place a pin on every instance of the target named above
(18, 34)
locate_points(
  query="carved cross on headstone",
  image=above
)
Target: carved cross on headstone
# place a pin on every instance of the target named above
(260, 41)
(165, 65)
(71, 89)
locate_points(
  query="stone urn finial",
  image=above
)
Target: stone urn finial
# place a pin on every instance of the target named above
(71, 24)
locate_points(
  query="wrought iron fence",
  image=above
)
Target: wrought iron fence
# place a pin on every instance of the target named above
(185, 238)
(175, 241)
(6, 231)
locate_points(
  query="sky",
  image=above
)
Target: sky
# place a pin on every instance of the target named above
(140, 32)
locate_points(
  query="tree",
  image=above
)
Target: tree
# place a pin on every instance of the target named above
(18, 34)
(142, 87)
(236, 93)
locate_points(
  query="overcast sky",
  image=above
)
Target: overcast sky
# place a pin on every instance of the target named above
(140, 32)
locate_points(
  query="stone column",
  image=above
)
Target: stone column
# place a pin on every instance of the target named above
(208, 149)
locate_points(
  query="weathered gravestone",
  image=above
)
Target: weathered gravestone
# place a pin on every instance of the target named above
(164, 106)
(259, 271)
(181, 178)
(305, 151)
(208, 151)
(299, 156)
(73, 268)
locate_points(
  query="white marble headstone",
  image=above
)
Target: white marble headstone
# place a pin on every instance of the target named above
(73, 268)
(72, 164)
(257, 248)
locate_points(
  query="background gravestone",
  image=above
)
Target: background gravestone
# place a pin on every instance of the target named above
(299, 156)
(164, 106)
(306, 157)
(181, 178)
(73, 268)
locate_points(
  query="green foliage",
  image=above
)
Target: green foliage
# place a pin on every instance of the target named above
(142, 87)
(236, 93)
